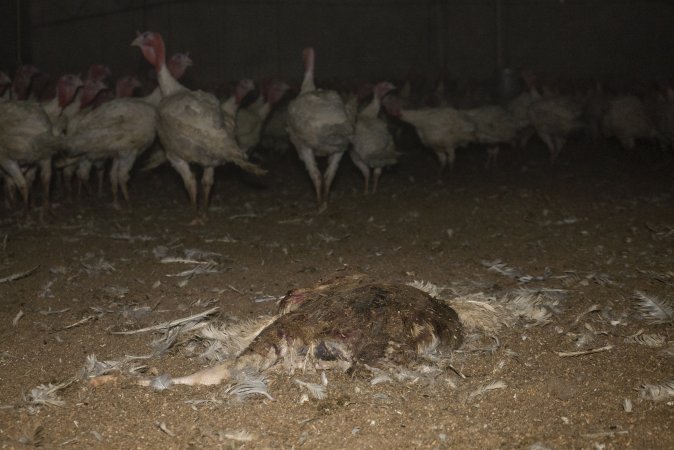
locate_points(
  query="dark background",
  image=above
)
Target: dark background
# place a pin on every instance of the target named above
(355, 39)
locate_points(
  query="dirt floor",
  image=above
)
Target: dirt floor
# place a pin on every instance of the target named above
(600, 225)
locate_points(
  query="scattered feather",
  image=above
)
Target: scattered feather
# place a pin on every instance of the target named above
(172, 260)
(487, 387)
(94, 368)
(161, 382)
(201, 269)
(18, 276)
(115, 291)
(317, 391)
(82, 321)
(47, 312)
(19, 315)
(45, 394)
(229, 339)
(627, 405)
(32, 434)
(501, 268)
(657, 392)
(238, 436)
(428, 287)
(654, 309)
(98, 267)
(173, 323)
(162, 426)
(591, 309)
(131, 239)
(249, 386)
(480, 313)
(46, 290)
(535, 305)
(647, 340)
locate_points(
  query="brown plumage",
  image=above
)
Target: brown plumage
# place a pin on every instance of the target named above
(347, 322)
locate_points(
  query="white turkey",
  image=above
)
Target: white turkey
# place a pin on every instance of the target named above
(177, 65)
(494, 126)
(27, 141)
(555, 118)
(318, 126)
(230, 106)
(373, 146)
(191, 126)
(22, 81)
(441, 129)
(626, 119)
(120, 129)
(249, 121)
(72, 115)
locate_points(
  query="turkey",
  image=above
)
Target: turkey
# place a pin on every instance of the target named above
(350, 323)
(373, 147)
(22, 81)
(555, 118)
(54, 108)
(27, 141)
(318, 126)
(125, 87)
(191, 126)
(518, 108)
(275, 129)
(249, 120)
(626, 119)
(494, 126)
(177, 65)
(442, 129)
(120, 129)
(72, 115)
(230, 106)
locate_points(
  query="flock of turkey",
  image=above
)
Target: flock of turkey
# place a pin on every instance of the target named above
(87, 126)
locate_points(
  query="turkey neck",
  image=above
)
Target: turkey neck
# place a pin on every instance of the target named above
(372, 110)
(167, 83)
(308, 81)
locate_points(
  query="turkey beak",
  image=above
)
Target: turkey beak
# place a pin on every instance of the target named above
(138, 42)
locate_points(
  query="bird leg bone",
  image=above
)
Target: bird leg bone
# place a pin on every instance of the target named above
(183, 168)
(14, 171)
(330, 172)
(119, 172)
(364, 169)
(307, 156)
(442, 158)
(206, 185)
(377, 173)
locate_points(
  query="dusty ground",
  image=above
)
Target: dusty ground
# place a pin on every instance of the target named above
(600, 225)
